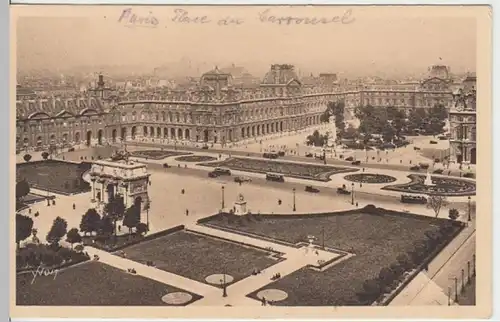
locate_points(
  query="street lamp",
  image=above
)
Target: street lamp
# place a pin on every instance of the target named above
(456, 290)
(474, 265)
(222, 201)
(294, 206)
(468, 203)
(468, 272)
(352, 193)
(323, 238)
(147, 213)
(224, 286)
(463, 281)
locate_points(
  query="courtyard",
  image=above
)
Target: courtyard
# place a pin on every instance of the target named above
(54, 175)
(376, 240)
(199, 257)
(91, 284)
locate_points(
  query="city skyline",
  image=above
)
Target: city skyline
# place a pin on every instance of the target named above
(193, 48)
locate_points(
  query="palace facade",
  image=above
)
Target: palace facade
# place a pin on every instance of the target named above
(213, 111)
(463, 123)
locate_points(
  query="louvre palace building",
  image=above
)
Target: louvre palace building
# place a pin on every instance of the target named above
(212, 111)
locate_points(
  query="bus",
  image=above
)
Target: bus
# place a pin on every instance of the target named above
(278, 177)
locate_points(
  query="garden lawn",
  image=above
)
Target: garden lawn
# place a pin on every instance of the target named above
(290, 169)
(157, 154)
(91, 283)
(198, 256)
(376, 241)
(54, 175)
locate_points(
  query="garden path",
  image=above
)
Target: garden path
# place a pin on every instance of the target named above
(151, 272)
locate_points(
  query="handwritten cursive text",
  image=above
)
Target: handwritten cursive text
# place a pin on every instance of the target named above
(182, 16)
(41, 271)
(267, 17)
(130, 19)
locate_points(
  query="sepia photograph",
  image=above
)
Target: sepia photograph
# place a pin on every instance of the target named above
(251, 161)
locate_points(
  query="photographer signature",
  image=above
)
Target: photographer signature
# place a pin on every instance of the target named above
(42, 271)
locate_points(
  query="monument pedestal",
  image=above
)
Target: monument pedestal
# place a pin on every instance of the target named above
(240, 206)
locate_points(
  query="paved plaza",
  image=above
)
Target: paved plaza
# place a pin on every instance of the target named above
(183, 194)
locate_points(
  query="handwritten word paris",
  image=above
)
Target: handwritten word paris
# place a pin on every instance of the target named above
(41, 271)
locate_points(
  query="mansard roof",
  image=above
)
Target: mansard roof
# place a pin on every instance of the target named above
(58, 107)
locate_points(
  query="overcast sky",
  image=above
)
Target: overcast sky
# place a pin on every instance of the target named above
(369, 43)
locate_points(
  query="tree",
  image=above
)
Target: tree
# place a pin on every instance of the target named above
(316, 139)
(27, 157)
(90, 221)
(453, 214)
(106, 226)
(404, 262)
(73, 236)
(388, 132)
(115, 209)
(350, 133)
(45, 155)
(57, 231)
(371, 290)
(141, 228)
(386, 276)
(24, 226)
(436, 202)
(132, 217)
(418, 251)
(22, 189)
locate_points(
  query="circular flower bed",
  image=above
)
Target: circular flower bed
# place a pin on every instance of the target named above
(441, 186)
(177, 298)
(273, 295)
(369, 178)
(195, 158)
(218, 279)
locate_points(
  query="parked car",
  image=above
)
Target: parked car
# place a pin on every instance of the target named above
(166, 165)
(357, 162)
(413, 199)
(415, 168)
(343, 191)
(213, 174)
(205, 147)
(311, 189)
(241, 179)
(349, 159)
(270, 155)
(469, 175)
(281, 153)
(438, 171)
(443, 137)
(309, 155)
(416, 148)
(433, 142)
(278, 177)
(222, 171)
(71, 149)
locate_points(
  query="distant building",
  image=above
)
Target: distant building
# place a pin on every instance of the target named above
(209, 109)
(24, 93)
